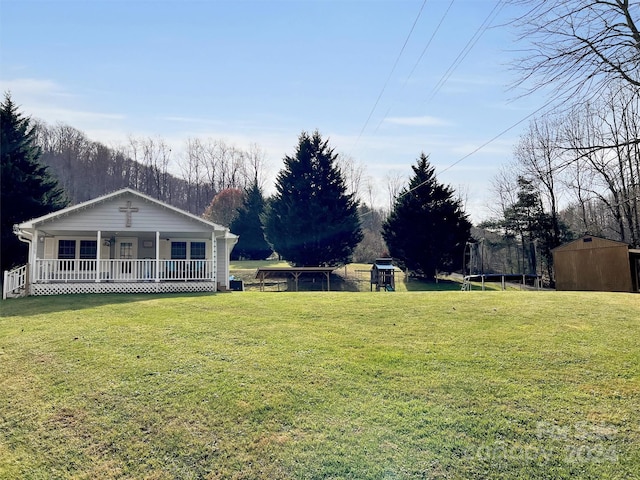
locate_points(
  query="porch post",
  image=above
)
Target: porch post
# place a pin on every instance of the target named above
(157, 257)
(32, 273)
(214, 258)
(99, 246)
(226, 262)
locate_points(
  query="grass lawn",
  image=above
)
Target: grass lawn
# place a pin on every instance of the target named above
(316, 385)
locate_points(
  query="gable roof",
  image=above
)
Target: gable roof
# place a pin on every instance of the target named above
(590, 242)
(81, 207)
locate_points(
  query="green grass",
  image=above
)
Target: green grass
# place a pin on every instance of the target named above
(321, 385)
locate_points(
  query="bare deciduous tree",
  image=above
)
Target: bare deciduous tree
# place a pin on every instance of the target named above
(154, 155)
(395, 181)
(539, 154)
(352, 172)
(210, 166)
(604, 158)
(193, 173)
(580, 46)
(256, 165)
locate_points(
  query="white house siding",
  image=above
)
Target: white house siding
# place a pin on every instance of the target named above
(49, 249)
(223, 249)
(106, 216)
(148, 251)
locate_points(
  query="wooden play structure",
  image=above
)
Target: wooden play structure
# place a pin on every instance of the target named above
(383, 275)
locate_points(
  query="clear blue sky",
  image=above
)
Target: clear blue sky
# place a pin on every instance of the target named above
(263, 71)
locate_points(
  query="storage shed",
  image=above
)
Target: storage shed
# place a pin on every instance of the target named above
(596, 264)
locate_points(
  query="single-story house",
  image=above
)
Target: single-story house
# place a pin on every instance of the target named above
(123, 242)
(596, 264)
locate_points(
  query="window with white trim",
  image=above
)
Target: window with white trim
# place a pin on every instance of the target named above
(88, 249)
(66, 249)
(66, 253)
(198, 251)
(178, 250)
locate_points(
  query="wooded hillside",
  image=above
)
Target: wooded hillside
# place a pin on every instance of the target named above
(87, 169)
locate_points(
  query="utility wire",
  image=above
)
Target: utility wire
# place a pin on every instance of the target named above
(424, 50)
(457, 61)
(461, 56)
(477, 149)
(493, 139)
(467, 48)
(375, 105)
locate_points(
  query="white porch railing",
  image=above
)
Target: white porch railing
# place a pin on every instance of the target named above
(14, 282)
(50, 271)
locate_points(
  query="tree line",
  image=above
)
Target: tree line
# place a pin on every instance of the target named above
(187, 180)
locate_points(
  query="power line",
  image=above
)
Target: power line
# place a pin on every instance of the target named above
(424, 50)
(460, 57)
(467, 48)
(493, 139)
(445, 77)
(375, 105)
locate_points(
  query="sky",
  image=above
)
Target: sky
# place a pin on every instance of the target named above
(383, 80)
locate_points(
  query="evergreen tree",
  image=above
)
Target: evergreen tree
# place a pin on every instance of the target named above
(534, 227)
(312, 221)
(248, 225)
(427, 229)
(28, 189)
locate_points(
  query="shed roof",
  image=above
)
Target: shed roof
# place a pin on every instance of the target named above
(383, 266)
(590, 242)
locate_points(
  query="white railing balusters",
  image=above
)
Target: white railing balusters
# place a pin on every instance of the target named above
(134, 270)
(14, 280)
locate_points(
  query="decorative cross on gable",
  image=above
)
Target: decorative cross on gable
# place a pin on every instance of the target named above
(128, 210)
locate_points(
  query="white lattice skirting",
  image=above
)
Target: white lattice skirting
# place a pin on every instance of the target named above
(142, 287)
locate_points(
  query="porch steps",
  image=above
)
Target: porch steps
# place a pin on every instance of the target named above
(14, 283)
(16, 293)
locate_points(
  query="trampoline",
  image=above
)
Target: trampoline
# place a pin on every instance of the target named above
(503, 278)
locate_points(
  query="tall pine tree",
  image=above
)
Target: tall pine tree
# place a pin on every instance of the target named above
(536, 229)
(248, 225)
(312, 221)
(27, 190)
(427, 229)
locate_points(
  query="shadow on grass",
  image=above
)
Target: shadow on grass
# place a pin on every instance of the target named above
(28, 306)
(415, 285)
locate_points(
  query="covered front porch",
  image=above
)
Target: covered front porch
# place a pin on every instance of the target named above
(109, 262)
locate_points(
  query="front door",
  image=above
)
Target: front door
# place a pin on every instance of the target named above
(126, 252)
